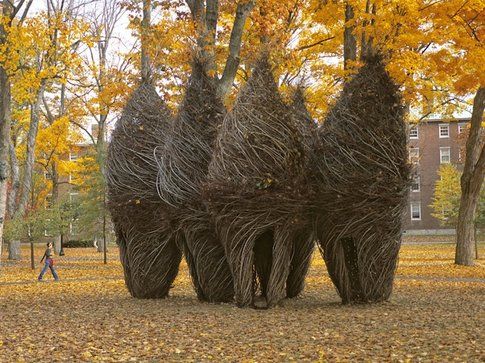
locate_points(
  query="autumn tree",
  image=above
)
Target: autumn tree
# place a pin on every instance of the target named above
(45, 52)
(471, 182)
(213, 28)
(462, 26)
(9, 12)
(92, 219)
(446, 200)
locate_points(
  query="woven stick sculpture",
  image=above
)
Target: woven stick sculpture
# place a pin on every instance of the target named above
(148, 252)
(302, 252)
(182, 171)
(258, 192)
(363, 176)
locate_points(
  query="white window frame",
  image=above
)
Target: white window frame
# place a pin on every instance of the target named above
(71, 229)
(444, 127)
(442, 149)
(416, 180)
(416, 149)
(461, 127)
(71, 178)
(411, 205)
(414, 128)
(71, 158)
(72, 195)
(46, 234)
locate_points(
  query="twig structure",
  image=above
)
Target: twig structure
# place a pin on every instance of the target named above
(244, 195)
(183, 168)
(258, 192)
(362, 174)
(148, 250)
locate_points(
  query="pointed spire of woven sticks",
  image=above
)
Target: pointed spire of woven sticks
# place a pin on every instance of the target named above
(363, 176)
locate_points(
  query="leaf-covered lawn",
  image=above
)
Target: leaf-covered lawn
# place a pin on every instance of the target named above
(435, 314)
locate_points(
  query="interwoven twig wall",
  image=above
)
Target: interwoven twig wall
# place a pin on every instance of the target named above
(258, 192)
(182, 170)
(363, 178)
(148, 251)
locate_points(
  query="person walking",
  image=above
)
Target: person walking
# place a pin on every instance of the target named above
(49, 263)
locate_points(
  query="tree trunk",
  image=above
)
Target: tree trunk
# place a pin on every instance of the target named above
(471, 183)
(100, 244)
(55, 183)
(232, 63)
(57, 245)
(3, 202)
(30, 155)
(350, 43)
(32, 255)
(4, 143)
(14, 251)
(61, 252)
(475, 237)
(15, 180)
(5, 99)
(105, 246)
(465, 251)
(145, 28)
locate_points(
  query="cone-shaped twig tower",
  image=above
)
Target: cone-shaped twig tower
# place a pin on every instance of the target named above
(363, 178)
(257, 192)
(182, 171)
(148, 251)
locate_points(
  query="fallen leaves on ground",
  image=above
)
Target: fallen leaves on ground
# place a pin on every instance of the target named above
(435, 314)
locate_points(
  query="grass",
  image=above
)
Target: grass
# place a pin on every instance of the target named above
(435, 314)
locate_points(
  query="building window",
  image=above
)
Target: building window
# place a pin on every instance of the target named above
(416, 184)
(72, 156)
(47, 176)
(445, 155)
(414, 133)
(73, 228)
(444, 131)
(461, 127)
(72, 197)
(46, 232)
(414, 155)
(73, 179)
(415, 211)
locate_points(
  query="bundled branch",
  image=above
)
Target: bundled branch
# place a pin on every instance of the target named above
(258, 191)
(148, 250)
(363, 177)
(183, 168)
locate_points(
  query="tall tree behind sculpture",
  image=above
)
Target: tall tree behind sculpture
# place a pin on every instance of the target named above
(363, 177)
(214, 27)
(471, 183)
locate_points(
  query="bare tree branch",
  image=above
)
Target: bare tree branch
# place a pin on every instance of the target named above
(232, 63)
(303, 47)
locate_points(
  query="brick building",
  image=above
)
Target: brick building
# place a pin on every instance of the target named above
(65, 184)
(431, 143)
